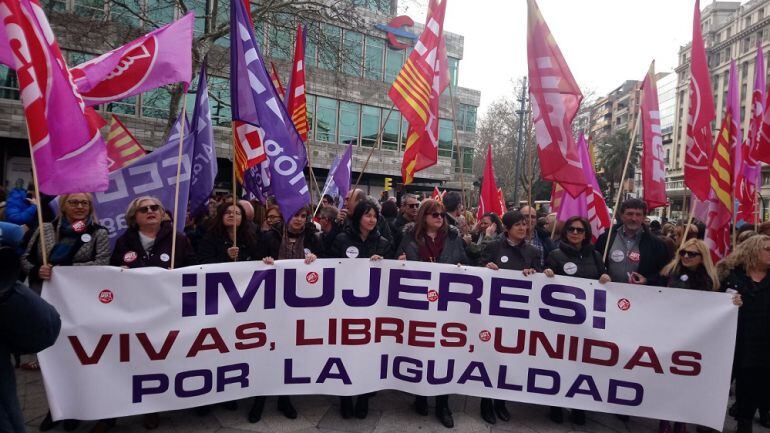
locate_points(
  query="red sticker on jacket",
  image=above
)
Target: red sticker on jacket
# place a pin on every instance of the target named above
(79, 226)
(634, 256)
(129, 257)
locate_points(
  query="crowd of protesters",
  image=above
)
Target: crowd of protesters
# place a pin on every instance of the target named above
(638, 251)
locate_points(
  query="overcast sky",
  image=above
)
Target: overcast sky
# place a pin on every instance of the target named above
(605, 42)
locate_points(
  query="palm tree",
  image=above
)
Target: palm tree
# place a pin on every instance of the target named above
(611, 156)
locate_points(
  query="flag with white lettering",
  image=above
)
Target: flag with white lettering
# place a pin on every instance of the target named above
(653, 166)
(204, 157)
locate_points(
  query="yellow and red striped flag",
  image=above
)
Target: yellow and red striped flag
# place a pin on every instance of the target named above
(122, 147)
(416, 91)
(297, 101)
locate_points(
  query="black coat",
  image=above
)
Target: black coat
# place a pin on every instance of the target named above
(683, 278)
(506, 256)
(654, 255)
(587, 261)
(271, 240)
(213, 248)
(375, 244)
(130, 253)
(752, 343)
(453, 252)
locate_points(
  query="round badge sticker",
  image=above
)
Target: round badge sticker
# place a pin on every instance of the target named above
(432, 295)
(164, 257)
(352, 252)
(79, 226)
(624, 304)
(634, 256)
(617, 256)
(85, 237)
(570, 268)
(106, 296)
(312, 277)
(504, 259)
(129, 257)
(485, 335)
(684, 277)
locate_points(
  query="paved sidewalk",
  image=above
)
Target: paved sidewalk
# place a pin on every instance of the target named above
(389, 412)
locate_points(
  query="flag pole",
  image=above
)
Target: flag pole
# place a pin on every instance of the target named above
(318, 206)
(457, 145)
(689, 221)
(39, 204)
(531, 174)
(756, 208)
(312, 175)
(376, 145)
(182, 128)
(235, 185)
(621, 187)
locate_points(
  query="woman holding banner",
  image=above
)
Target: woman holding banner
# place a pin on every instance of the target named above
(362, 240)
(431, 239)
(229, 223)
(73, 238)
(510, 251)
(575, 257)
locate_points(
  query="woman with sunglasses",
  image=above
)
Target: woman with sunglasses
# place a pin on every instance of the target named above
(575, 256)
(431, 239)
(73, 238)
(217, 244)
(361, 239)
(508, 251)
(147, 241)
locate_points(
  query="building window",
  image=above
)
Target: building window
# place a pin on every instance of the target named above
(310, 102)
(219, 90)
(466, 118)
(445, 137)
(353, 45)
(311, 48)
(760, 13)
(404, 133)
(92, 9)
(390, 132)
(326, 120)
(393, 64)
(370, 125)
(375, 51)
(454, 66)
(125, 12)
(124, 106)
(55, 5)
(280, 37)
(9, 83)
(155, 103)
(160, 12)
(349, 115)
(331, 38)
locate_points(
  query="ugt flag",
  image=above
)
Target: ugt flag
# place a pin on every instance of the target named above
(204, 159)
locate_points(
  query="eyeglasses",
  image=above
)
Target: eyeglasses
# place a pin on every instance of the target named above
(78, 203)
(413, 205)
(273, 217)
(578, 230)
(689, 254)
(437, 215)
(145, 209)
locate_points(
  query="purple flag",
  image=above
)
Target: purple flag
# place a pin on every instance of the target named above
(160, 57)
(255, 103)
(342, 173)
(153, 174)
(204, 158)
(330, 187)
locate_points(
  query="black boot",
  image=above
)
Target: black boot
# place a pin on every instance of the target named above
(255, 413)
(421, 405)
(744, 426)
(48, 423)
(362, 406)
(556, 415)
(285, 407)
(231, 405)
(502, 411)
(346, 407)
(443, 413)
(202, 410)
(103, 425)
(578, 417)
(488, 411)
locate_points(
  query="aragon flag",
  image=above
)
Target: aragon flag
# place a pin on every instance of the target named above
(122, 147)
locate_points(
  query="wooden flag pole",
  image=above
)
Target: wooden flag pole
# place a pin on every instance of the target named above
(531, 174)
(314, 181)
(689, 221)
(39, 204)
(182, 128)
(376, 145)
(756, 208)
(235, 185)
(621, 187)
(457, 146)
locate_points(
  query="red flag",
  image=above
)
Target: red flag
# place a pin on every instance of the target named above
(436, 194)
(653, 166)
(297, 102)
(501, 197)
(555, 98)
(701, 113)
(557, 196)
(122, 147)
(489, 200)
(276, 79)
(749, 168)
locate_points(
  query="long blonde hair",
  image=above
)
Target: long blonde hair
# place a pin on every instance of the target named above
(746, 255)
(705, 254)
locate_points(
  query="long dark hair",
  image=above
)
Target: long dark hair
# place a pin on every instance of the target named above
(362, 208)
(499, 228)
(427, 207)
(245, 231)
(586, 226)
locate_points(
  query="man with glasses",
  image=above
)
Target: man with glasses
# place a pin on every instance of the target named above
(635, 255)
(406, 215)
(538, 236)
(326, 217)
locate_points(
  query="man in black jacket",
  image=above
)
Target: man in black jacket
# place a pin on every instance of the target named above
(635, 255)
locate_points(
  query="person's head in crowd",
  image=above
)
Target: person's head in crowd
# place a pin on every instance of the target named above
(647, 221)
(409, 206)
(764, 228)
(384, 195)
(327, 200)
(453, 203)
(516, 226)
(430, 219)
(701, 228)
(326, 217)
(751, 255)
(531, 215)
(389, 209)
(550, 221)
(655, 227)
(212, 206)
(576, 232)
(742, 236)
(667, 230)
(77, 207)
(354, 196)
(229, 218)
(299, 220)
(632, 214)
(462, 225)
(145, 214)
(692, 233)
(488, 219)
(365, 216)
(248, 210)
(693, 256)
(273, 217)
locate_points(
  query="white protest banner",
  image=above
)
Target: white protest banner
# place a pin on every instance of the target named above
(150, 340)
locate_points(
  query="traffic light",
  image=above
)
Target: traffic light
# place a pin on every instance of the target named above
(388, 184)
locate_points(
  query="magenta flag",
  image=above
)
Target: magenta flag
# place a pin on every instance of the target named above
(69, 153)
(161, 57)
(748, 168)
(653, 165)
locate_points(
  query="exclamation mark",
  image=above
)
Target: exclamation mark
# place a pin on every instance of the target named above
(600, 306)
(189, 299)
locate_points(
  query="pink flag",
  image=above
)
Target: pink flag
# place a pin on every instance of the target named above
(701, 113)
(68, 151)
(748, 169)
(653, 166)
(555, 98)
(158, 58)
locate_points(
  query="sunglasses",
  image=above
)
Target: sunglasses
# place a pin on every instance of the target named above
(413, 205)
(579, 230)
(437, 215)
(689, 254)
(145, 209)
